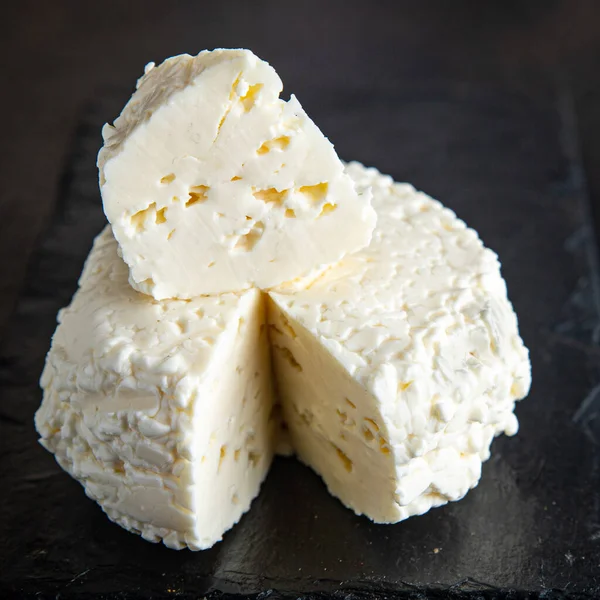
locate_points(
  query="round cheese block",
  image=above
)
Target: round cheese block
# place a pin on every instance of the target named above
(394, 370)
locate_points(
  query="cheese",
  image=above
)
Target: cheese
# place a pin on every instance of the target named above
(162, 410)
(213, 184)
(397, 367)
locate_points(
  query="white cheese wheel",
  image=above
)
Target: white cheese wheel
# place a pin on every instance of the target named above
(162, 410)
(397, 367)
(214, 184)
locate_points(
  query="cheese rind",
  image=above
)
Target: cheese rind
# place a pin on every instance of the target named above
(213, 184)
(399, 365)
(162, 410)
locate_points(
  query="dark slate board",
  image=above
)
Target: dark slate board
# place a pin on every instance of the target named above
(507, 163)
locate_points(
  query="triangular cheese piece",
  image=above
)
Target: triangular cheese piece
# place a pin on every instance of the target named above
(213, 184)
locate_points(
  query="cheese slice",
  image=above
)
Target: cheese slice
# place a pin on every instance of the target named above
(162, 410)
(397, 367)
(213, 184)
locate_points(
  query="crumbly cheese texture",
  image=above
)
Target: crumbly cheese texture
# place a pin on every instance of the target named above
(397, 367)
(162, 410)
(214, 184)
(394, 369)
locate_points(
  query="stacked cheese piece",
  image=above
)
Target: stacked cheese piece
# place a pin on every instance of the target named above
(237, 236)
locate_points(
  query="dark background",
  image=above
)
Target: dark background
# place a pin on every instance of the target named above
(491, 106)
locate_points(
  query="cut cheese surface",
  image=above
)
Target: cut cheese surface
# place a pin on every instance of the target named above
(397, 367)
(213, 184)
(162, 410)
(394, 369)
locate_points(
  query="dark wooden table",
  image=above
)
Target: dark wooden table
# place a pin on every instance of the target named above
(491, 106)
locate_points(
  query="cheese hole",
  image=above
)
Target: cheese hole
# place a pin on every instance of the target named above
(119, 467)
(383, 446)
(232, 93)
(222, 120)
(280, 143)
(200, 313)
(372, 424)
(287, 355)
(327, 209)
(235, 499)
(288, 328)
(138, 220)
(170, 234)
(236, 454)
(248, 241)
(249, 99)
(274, 328)
(160, 216)
(253, 458)
(290, 213)
(344, 458)
(351, 404)
(342, 415)
(234, 85)
(197, 194)
(236, 178)
(211, 264)
(222, 455)
(315, 193)
(368, 434)
(270, 195)
(167, 178)
(404, 385)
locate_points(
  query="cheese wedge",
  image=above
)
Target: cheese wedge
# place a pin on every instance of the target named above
(214, 184)
(397, 367)
(162, 410)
